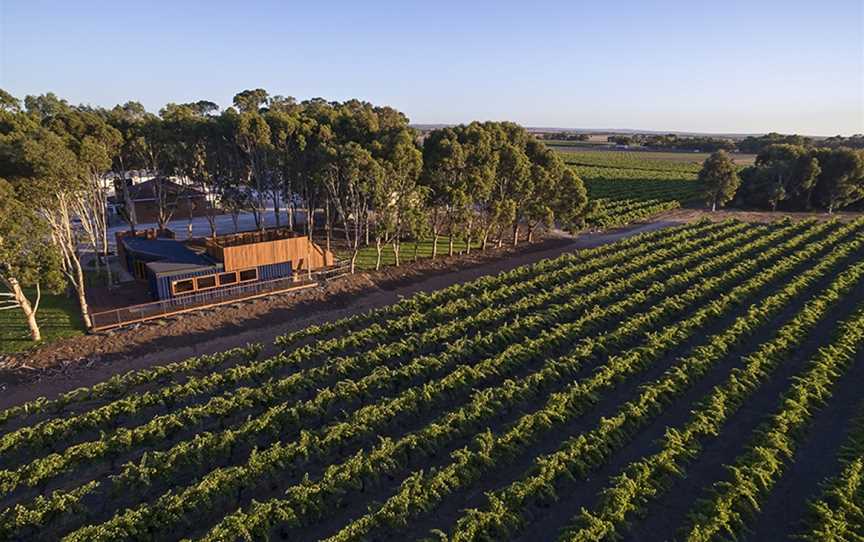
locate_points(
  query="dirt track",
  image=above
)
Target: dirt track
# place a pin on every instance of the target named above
(83, 361)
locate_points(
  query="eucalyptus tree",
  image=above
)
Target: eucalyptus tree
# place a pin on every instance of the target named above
(841, 178)
(719, 178)
(126, 119)
(481, 162)
(27, 258)
(51, 178)
(289, 132)
(352, 173)
(191, 130)
(512, 176)
(570, 203)
(788, 172)
(539, 195)
(95, 144)
(252, 137)
(444, 163)
(397, 196)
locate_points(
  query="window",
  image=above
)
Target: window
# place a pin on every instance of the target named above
(183, 286)
(248, 275)
(205, 283)
(227, 278)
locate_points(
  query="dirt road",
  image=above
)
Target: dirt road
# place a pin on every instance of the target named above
(84, 361)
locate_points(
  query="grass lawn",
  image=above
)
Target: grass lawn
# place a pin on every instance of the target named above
(367, 256)
(58, 317)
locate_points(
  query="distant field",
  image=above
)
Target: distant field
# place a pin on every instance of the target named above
(626, 187)
(569, 147)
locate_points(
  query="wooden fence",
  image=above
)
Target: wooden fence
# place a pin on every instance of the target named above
(115, 318)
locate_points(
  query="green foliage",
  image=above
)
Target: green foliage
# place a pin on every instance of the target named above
(26, 253)
(801, 178)
(719, 178)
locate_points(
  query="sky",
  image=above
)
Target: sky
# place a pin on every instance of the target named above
(717, 67)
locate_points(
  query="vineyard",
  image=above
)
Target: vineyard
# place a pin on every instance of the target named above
(626, 187)
(692, 383)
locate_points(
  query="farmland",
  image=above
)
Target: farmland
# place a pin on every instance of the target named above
(664, 384)
(627, 187)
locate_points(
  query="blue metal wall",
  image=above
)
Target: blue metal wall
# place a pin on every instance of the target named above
(274, 271)
(160, 285)
(163, 282)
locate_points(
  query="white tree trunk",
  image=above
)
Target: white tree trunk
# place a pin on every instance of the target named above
(25, 306)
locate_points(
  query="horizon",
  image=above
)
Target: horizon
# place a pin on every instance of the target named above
(556, 66)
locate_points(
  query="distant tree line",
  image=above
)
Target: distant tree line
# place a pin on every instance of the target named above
(360, 173)
(564, 136)
(789, 177)
(748, 145)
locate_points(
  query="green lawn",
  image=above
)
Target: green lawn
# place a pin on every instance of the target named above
(367, 256)
(58, 317)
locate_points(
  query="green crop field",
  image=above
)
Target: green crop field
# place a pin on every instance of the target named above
(628, 187)
(693, 383)
(642, 156)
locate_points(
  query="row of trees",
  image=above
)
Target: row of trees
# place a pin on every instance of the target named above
(747, 145)
(792, 177)
(358, 169)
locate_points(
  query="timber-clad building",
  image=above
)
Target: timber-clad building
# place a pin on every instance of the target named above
(172, 268)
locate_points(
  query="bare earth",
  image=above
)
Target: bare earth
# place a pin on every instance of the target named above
(83, 361)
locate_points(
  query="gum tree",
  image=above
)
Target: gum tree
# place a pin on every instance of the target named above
(719, 178)
(27, 258)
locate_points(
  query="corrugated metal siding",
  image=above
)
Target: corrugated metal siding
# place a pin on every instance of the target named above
(274, 271)
(153, 285)
(163, 282)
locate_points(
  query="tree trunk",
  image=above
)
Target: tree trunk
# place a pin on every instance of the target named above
(82, 297)
(450, 243)
(327, 224)
(28, 309)
(367, 229)
(378, 248)
(435, 237)
(468, 244)
(129, 205)
(354, 260)
(714, 206)
(515, 234)
(276, 211)
(396, 251)
(416, 248)
(235, 218)
(108, 267)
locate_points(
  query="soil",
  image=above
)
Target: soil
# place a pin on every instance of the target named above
(75, 362)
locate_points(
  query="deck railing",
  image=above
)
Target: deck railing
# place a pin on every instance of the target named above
(157, 309)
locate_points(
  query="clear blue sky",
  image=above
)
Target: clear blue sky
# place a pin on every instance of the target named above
(734, 66)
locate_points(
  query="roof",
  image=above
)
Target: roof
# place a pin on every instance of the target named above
(168, 255)
(146, 191)
(172, 268)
